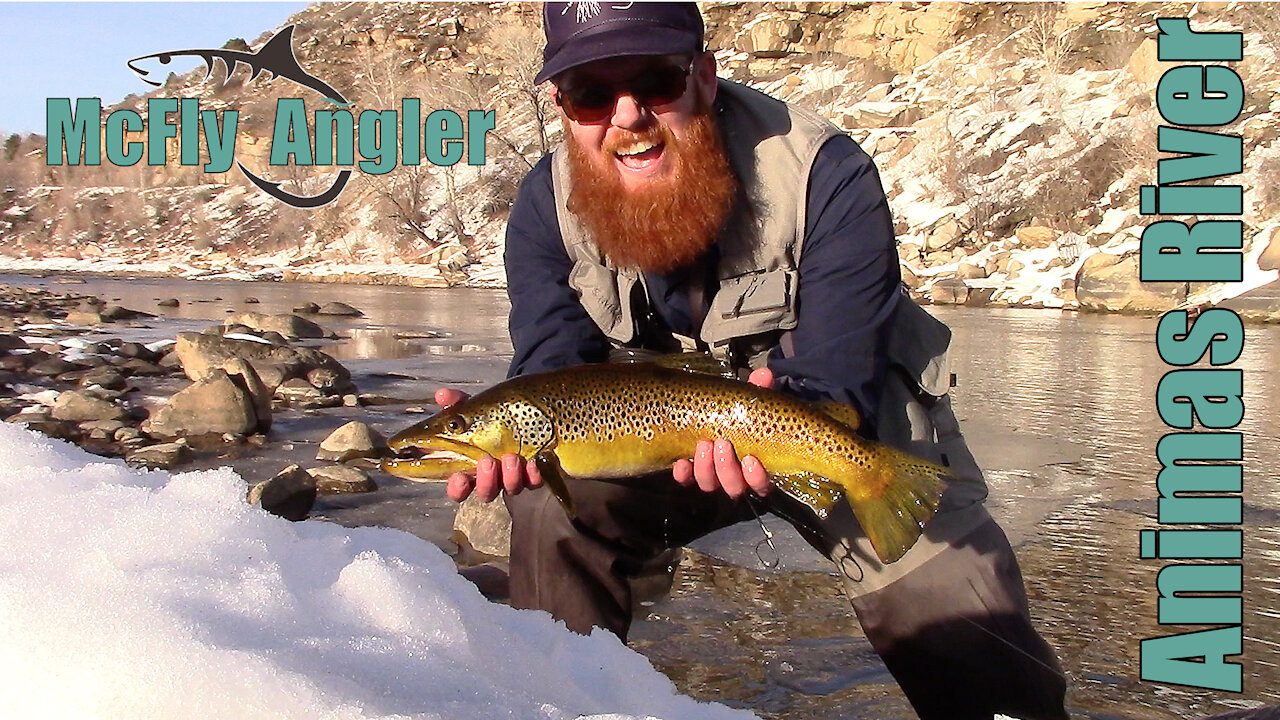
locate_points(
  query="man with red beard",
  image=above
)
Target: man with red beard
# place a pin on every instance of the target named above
(684, 212)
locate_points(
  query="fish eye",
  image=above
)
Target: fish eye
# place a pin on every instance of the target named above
(455, 423)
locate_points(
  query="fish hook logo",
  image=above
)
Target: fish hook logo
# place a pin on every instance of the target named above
(277, 59)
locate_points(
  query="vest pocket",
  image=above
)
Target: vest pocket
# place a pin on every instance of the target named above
(605, 294)
(751, 304)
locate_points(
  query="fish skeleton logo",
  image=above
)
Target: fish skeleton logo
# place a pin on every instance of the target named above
(277, 59)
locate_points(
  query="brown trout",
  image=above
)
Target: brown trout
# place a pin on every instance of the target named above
(614, 421)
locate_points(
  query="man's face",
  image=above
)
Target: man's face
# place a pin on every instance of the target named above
(624, 122)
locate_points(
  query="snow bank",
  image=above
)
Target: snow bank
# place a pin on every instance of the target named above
(140, 594)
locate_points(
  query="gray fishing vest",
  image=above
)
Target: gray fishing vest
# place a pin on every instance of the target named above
(771, 147)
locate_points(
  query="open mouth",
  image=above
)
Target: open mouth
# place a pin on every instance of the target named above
(639, 153)
(415, 462)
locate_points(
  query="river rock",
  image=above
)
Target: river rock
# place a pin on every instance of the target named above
(243, 374)
(307, 309)
(104, 377)
(215, 404)
(11, 342)
(53, 367)
(969, 271)
(339, 479)
(201, 354)
(161, 455)
(117, 312)
(1107, 282)
(298, 391)
(168, 303)
(287, 325)
(290, 494)
(949, 291)
(86, 318)
(487, 526)
(78, 406)
(351, 441)
(338, 308)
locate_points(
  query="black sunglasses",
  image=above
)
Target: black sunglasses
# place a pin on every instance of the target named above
(595, 102)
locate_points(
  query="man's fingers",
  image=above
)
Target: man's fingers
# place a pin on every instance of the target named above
(459, 487)
(682, 471)
(762, 377)
(704, 467)
(755, 476)
(532, 472)
(728, 470)
(449, 396)
(488, 479)
(512, 474)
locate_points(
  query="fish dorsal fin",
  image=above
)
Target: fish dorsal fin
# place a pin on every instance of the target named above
(844, 414)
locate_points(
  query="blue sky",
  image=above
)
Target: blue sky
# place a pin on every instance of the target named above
(79, 49)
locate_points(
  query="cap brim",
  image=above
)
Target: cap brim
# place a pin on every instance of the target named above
(621, 42)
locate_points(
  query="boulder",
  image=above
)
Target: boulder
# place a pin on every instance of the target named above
(290, 326)
(338, 308)
(201, 354)
(297, 390)
(486, 526)
(351, 441)
(337, 479)
(1036, 236)
(79, 406)
(161, 455)
(1110, 283)
(215, 404)
(243, 374)
(949, 291)
(290, 494)
(969, 271)
(168, 303)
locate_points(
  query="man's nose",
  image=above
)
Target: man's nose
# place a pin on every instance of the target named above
(629, 114)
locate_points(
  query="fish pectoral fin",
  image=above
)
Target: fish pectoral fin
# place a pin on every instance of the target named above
(818, 492)
(846, 415)
(549, 468)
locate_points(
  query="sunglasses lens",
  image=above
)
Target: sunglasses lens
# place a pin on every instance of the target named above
(595, 102)
(660, 87)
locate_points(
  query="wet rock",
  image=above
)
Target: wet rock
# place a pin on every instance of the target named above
(327, 379)
(104, 377)
(243, 374)
(338, 308)
(138, 366)
(307, 309)
(339, 479)
(213, 405)
(200, 354)
(297, 390)
(161, 455)
(351, 441)
(53, 367)
(116, 312)
(288, 325)
(78, 406)
(168, 303)
(290, 494)
(487, 526)
(251, 300)
(138, 350)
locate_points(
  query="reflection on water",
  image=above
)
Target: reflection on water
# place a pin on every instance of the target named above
(1060, 410)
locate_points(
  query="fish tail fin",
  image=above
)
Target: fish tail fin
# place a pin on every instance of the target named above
(909, 492)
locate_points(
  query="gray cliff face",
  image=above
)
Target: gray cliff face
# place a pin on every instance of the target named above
(1012, 139)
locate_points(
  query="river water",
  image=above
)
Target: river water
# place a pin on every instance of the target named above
(1059, 408)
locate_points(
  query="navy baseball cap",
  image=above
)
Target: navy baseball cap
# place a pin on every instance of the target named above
(583, 32)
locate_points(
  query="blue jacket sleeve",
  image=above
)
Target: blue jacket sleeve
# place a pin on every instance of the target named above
(848, 286)
(549, 327)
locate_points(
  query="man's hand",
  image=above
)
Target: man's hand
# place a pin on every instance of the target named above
(492, 476)
(715, 465)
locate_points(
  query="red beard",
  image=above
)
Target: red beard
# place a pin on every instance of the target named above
(664, 225)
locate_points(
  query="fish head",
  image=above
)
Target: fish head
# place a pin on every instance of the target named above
(453, 440)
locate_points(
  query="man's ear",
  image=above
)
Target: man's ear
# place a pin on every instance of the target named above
(704, 76)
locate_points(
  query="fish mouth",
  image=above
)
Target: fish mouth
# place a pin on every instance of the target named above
(422, 459)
